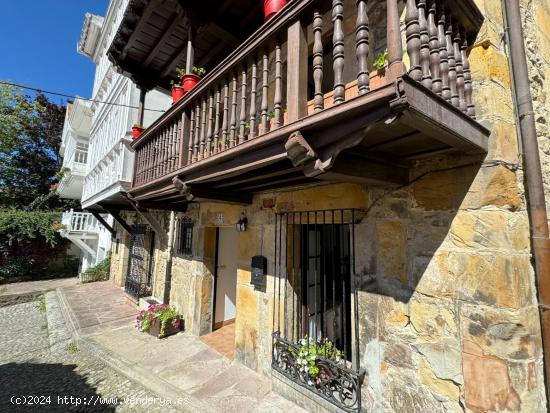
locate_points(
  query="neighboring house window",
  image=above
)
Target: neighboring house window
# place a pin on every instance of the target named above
(185, 237)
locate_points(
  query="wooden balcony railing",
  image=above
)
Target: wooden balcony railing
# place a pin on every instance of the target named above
(312, 56)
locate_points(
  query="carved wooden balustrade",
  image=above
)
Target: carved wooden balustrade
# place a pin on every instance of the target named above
(280, 74)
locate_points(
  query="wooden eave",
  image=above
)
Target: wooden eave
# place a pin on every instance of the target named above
(151, 40)
(371, 139)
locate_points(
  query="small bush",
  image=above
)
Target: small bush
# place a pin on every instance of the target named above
(99, 272)
(16, 267)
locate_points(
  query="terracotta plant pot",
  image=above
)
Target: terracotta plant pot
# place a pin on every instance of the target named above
(168, 331)
(136, 131)
(177, 93)
(189, 81)
(271, 7)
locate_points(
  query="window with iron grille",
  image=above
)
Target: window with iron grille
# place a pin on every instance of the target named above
(185, 237)
(315, 307)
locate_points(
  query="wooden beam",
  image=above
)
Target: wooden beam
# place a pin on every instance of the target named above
(115, 214)
(174, 22)
(222, 34)
(109, 228)
(296, 105)
(141, 23)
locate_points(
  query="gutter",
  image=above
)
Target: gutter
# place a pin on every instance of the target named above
(536, 203)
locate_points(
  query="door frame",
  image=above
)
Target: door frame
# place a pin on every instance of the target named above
(215, 289)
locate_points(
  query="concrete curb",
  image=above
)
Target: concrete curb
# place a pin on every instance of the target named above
(161, 387)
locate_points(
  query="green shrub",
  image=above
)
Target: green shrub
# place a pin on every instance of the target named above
(99, 272)
(16, 267)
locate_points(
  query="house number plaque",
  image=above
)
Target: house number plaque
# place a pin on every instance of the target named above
(259, 269)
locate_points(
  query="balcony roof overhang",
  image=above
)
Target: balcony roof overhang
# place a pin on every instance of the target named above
(372, 139)
(151, 40)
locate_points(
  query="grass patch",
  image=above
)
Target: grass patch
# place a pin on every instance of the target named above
(42, 303)
(71, 347)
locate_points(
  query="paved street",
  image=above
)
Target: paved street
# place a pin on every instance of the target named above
(84, 345)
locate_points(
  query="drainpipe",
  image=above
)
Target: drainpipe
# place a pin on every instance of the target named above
(540, 243)
(168, 275)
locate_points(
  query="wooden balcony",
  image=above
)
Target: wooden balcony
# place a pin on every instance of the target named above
(299, 103)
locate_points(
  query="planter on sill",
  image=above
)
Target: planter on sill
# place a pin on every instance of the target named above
(177, 93)
(172, 327)
(189, 81)
(271, 7)
(136, 131)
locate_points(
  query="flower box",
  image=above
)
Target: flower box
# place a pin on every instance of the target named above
(159, 320)
(171, 327)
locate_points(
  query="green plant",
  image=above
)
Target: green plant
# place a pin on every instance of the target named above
(42, 303)
(199, 71)
(161, 312)
(309, 352)
(16, 267)
(99, 272)
(381, 60)
(62, 172)
(71, 347)
(137, 125)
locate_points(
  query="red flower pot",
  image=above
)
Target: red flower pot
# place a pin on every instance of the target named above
(177, 93)
(136, 131)
(272, 6)
(189, 81)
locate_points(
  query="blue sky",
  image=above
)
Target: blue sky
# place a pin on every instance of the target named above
(38, 44)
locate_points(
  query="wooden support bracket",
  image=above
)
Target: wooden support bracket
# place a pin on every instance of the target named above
(108, 227)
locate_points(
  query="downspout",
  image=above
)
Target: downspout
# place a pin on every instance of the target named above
(168, 275)
(536, 207)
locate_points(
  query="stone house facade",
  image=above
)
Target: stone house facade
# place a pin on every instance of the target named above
(442, 303)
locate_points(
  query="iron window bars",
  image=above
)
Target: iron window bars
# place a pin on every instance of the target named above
(314, 285)
(185, 237)
(138, 277)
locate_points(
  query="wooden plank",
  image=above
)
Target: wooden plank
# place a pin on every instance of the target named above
(172, 25)
(296, 83)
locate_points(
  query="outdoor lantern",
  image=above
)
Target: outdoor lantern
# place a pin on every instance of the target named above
(241, 224)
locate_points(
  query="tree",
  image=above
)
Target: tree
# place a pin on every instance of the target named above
(30, 137)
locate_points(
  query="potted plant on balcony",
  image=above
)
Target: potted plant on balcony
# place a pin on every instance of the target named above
(190, 80)
(271, 7)
(159, 320)
(378, 77)
(136, 130)
(177, 92)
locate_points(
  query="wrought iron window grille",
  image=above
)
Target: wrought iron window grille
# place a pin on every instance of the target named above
(315, 304)
(184, 239)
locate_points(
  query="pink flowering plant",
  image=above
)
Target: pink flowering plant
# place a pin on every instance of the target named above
(162, 313)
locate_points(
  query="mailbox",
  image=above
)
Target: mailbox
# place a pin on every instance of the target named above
(259, 269)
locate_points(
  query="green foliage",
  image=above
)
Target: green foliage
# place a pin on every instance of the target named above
(199, 71)
(310, 351)
(42, 303)
(15, 267)
(71, 347)
(99, 272)
(22, 226)
(381, 60)
(162, 312)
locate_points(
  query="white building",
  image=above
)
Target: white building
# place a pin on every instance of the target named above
(96, 140)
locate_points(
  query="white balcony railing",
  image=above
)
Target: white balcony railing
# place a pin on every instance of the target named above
(80, 222)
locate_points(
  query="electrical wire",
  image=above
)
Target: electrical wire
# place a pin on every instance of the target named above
(74, 97)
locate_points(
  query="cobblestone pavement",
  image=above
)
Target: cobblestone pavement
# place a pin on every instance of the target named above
(35, 362)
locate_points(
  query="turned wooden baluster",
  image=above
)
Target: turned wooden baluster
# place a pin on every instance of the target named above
(318, 100)
(174, 150)
(413, 40)
(146, 161)
(165, 150)
(424, 45)
(190, 156)
(209, 131)
(253, 85)
(362, 46)
(278, 85)
(203, 128)
(138, 165)
(196, 143)
(233, 140)
(452, 62)
(217, 122)
(225, 121)
(435, 60)
(468, 88)
(443, 56)
(395, 49)
(457, 43)
(338, 50)
(242, 118)
(265, 85)
(157, 155)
